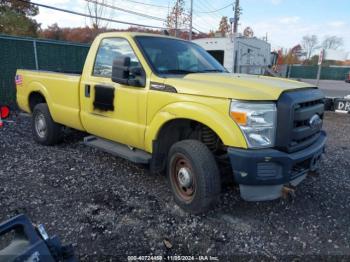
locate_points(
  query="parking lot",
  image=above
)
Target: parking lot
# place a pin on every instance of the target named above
(107, 206)
(331, 88)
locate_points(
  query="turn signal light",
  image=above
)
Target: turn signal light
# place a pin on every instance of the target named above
(239, 117)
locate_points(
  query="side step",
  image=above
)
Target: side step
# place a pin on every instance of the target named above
(120, 150)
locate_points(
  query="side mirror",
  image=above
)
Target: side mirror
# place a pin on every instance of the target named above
(121, 70)
(4, 112)
(124, 74)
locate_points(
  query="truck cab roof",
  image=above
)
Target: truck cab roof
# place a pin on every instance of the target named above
(133, 34)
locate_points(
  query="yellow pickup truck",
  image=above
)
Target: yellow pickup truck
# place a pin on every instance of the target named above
(166, 102)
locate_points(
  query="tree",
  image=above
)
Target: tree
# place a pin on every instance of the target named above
(332, 42)
(312, 61)
(309, 44)
(53, 32)
(291, 57)
(211, 33)
(24, 8)
(224, 26)
(15, 18)
(178, 17)
(96, 9)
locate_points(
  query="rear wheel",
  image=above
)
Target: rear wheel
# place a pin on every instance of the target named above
(193, 175)
(45, 130)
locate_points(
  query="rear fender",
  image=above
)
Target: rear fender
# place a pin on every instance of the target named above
(40, 88)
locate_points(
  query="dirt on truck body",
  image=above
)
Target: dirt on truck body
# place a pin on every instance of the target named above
(169, 104)
(110, 208)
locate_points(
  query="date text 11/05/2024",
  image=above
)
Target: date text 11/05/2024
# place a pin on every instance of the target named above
(173, 258)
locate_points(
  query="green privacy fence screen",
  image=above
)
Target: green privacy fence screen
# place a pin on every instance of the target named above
(310, 72)
(30, 53)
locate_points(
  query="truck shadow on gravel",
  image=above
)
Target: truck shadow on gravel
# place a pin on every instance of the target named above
(107, 206)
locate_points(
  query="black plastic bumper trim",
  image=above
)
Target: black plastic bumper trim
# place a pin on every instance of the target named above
(245, 163)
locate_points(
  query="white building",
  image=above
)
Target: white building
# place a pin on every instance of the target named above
(239, 54)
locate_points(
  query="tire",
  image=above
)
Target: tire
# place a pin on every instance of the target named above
(193, 176)
(45, 130)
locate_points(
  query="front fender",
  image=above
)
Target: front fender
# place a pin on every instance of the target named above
(228, 131)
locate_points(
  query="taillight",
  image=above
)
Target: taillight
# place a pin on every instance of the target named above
(4, 112)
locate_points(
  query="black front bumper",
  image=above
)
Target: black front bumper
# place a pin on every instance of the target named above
(274, 167)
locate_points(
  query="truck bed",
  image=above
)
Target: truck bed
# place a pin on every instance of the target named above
(61, 91)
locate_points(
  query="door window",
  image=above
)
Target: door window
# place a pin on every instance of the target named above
(110, 49)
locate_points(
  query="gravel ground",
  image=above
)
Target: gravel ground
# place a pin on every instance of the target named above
(107, 207)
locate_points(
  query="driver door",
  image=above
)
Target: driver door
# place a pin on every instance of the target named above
(110, 110)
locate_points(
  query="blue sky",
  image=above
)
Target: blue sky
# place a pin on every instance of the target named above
(284, 21)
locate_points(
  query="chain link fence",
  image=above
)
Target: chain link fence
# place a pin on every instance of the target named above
(35, 54)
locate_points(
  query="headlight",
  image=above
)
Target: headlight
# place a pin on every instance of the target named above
(257, 122)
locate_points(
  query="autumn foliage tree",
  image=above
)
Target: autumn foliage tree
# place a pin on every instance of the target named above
(77, 34)
(177, 18)
(224, 26)
(292, 56)
(16, 18)
(85, 34)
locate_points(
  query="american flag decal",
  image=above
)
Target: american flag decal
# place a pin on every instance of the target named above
(18, 79)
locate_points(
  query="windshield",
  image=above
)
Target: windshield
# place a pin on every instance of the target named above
(172, 56)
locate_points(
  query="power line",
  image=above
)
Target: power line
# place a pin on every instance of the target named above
(154, 5)
(133, 12)
(205, 20)
(101, 18)
(208, 3)
(212, 11)
(125, 10)
(217, 10)
(195, 25)
(206, 6)
(202, 7)
(90, 16)
(194, 28)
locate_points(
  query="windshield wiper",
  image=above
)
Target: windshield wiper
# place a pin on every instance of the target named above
(210, 70)
(184, 72)
(177, 71)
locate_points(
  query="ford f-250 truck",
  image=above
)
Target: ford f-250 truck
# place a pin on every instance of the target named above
(166, 102)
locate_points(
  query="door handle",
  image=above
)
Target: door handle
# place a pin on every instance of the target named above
(87, 90)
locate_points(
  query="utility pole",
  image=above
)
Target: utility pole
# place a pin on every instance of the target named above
(237, 11)
(320, 61)
(191, 17)
(176, 16)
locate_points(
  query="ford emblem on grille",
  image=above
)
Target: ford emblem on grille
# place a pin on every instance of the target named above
(315, 122)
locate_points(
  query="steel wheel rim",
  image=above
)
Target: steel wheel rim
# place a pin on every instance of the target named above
(183, 178)
(40, 125)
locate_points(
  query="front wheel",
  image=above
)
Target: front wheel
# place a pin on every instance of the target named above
(193, 175)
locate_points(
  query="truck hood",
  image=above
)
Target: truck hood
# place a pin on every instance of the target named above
(234, 86)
